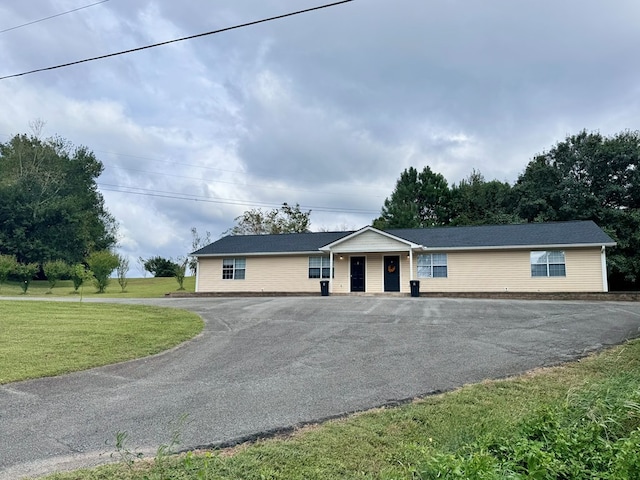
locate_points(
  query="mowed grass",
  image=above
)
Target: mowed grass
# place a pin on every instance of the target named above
(41, 339)
(561, 422)
(151, 287)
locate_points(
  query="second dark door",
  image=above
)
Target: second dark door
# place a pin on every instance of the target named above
(392, 274)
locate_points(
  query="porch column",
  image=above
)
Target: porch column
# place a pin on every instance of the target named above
(411, 264)
(197, 273)
(331, 271)
(603, 259)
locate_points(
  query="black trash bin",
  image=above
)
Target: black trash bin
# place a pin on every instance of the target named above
(415, 288)
(324, 288)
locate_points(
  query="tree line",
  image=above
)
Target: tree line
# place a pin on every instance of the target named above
(587, 176)
(50, 206)
(52, 213)
(54, 223)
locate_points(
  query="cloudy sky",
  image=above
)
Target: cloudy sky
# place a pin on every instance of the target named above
(324, 109)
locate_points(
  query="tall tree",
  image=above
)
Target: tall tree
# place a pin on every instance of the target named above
(420, 199)
(581, 178)
(590, 177)
(475, 201)
(537, 192)
(50, 207)
(286, 219)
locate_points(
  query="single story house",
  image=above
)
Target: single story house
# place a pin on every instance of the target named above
(533, 257)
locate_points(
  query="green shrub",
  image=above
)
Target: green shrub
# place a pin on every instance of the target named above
(160, 267)
(79, 274)
(121, 271)
(54, 271)
(180, 271)
(7, 267)
(102, 264)
(25, 273)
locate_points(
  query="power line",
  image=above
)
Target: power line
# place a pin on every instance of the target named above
(235, 172)
(206, 167)
(225, 201)
(52, 16)
(191, 37)
(241, 184)
(197, 198)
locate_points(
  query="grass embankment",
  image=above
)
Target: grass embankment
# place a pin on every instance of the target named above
(579, 421)
(136, 288)
(41, 339)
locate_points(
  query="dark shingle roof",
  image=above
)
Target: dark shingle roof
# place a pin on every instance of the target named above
(526, 234)
(484, 236)
(283, 243)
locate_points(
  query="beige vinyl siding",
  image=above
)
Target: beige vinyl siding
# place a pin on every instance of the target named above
(370, 242)
(263, 274)
(499, 271)
(341, 283)
(468, 271)
(374, 272)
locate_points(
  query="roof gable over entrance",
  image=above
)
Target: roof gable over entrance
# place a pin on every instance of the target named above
(369, 239)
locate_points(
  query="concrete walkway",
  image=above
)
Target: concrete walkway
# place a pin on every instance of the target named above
(264, 364)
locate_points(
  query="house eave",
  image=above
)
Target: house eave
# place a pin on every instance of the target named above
(519, 247)
(413, 246)
(256, 254)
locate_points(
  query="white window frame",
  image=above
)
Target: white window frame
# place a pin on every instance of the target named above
(234, 268)
(427, 262)
(325, 263)
(550, 259)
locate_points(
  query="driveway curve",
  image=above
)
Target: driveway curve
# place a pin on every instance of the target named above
(262, 364)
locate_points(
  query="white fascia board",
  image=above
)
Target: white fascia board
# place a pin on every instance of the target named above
(331, 245)
(374, 250)
(257, 254)
(523, 247)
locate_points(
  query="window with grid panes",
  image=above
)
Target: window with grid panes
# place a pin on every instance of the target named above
(319, 267)
(233, 268)
(548, 263)
(432, 265)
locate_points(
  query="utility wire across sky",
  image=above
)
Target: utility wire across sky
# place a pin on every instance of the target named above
(52, 16)
(190, 37)
(146, 192)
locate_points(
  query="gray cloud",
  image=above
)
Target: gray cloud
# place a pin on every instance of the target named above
(324, 109)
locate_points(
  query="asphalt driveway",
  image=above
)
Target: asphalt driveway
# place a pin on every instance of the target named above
(263, 364)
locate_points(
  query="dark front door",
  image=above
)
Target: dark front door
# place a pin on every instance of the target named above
(392, 274)
(357, 274)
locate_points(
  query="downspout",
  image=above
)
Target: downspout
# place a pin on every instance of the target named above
(603, 258)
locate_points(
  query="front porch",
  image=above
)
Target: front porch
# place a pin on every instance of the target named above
(371, 262)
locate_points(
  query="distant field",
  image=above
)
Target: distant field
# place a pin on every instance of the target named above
(136, 288)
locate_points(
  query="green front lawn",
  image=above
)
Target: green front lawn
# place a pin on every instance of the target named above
(136, 288)
(39, 339)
